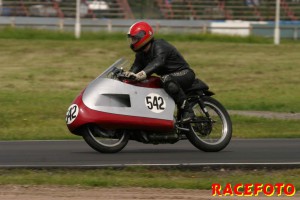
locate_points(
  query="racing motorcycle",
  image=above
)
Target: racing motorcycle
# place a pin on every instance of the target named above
(114, 109)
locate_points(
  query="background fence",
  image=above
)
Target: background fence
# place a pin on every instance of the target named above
(249, 10)
(242, 17)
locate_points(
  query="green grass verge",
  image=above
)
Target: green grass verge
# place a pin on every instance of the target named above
(35, 34)
(147, 177)
(255, 127)
(42, 72)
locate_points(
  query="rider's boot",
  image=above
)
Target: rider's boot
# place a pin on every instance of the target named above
(187, 112)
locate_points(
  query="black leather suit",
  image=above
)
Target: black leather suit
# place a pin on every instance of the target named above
(164, 60)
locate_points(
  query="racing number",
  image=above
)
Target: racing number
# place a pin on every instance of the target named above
(155, 103)
(72, 113)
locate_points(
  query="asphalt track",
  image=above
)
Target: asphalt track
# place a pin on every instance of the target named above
(77, 154)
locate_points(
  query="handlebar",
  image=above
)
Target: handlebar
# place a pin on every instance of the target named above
(119, 74)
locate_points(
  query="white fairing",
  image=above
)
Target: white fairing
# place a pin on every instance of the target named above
(116, 97)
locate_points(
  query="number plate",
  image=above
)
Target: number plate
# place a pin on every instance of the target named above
(155, 103)
(72, 113)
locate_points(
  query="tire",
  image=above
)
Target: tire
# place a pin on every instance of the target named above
(105, 141)
(210, 135)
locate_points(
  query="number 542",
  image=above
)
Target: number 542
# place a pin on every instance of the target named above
(154, 102)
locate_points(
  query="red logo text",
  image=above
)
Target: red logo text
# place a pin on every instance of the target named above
(255, 189)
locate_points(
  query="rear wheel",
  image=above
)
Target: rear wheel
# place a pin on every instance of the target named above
(210, 134)
(105, 141)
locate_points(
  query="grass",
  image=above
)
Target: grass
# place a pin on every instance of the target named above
(255, 127)
(42, 72)
(40, 34)
(147, 177)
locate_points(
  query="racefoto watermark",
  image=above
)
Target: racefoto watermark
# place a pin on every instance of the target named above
(254, 189)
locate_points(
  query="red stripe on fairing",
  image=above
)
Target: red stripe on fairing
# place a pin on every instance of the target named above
(115, 121)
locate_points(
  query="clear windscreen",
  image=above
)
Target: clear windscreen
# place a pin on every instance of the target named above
(115, 68)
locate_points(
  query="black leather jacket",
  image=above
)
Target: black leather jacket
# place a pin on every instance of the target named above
(162, 58)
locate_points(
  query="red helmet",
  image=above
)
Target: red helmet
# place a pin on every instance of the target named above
(141, 33)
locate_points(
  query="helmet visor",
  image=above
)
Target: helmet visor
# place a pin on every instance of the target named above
(133, 40)
(137, 37)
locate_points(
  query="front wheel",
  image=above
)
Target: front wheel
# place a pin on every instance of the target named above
(105, 141)
(213, 133)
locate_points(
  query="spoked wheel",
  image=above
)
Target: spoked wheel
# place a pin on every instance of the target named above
(105, 141)
(210, 134)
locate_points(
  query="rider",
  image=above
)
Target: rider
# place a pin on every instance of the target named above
(159, 57)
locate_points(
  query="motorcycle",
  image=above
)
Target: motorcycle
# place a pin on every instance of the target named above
(114, 109)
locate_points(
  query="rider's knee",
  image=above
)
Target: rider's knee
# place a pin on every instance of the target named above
(172, 88)
(170, 85)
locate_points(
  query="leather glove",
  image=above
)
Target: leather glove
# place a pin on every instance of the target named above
(140, 76)
(128, 74)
